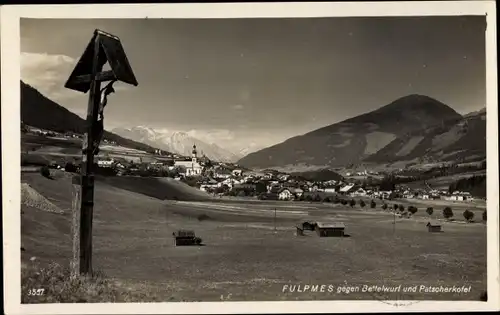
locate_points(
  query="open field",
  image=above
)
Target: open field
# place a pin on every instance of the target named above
(244, 258)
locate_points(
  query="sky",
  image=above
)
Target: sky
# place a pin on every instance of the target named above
(251, 83)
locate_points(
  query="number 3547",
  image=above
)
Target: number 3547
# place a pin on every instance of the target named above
(36, 292)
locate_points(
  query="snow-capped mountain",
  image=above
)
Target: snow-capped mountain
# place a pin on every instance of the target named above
(177, 142)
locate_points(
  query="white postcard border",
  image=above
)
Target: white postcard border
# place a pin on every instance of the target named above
(10, 97)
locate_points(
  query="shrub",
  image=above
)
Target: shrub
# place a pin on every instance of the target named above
(317, 198)
(203, 217)
(484, 215)
(401, 208)
(309, 198)
(384, 206)
(430, 210)
(447, 213)
(352, 203)
(45, 171)
(242, 193)
(343, 202)
(373, 204)
(468, 215)
(336, 199)
(412, 209)
(395, 206)
(362, 204)
(308, 226)
(326, 199)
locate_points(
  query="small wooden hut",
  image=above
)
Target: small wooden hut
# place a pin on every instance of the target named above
(434, 227)
(330, 229)
(184, 238)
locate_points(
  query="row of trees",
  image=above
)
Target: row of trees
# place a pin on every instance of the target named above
(467, 214)
(447, 211)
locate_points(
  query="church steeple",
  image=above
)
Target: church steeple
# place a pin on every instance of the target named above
(194, 155)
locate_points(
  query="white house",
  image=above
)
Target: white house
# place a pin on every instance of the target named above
(459, 196)
(359, 192)
(268, 176)
(120, 165)
(425, 196)
(284, 177)
(285, 194)
(382, 194)
(347, 188)
(237, 172)
(105, 163)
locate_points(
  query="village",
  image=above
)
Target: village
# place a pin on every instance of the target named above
(226, 179)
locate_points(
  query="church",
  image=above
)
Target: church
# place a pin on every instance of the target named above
(192, 167)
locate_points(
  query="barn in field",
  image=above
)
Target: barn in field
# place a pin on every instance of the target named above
(434, 227)
(185, 237)
(330, 229)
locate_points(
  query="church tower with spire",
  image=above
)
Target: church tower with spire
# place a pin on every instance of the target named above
(194, 155)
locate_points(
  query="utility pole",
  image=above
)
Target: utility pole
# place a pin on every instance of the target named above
(394, 221)
(87, 77)
(274, 220)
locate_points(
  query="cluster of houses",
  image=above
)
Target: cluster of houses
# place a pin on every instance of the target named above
(227, 179)
(435, 194)
(48, 133)
(286, 187)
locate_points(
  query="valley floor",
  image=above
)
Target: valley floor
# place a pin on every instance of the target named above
(245, 258)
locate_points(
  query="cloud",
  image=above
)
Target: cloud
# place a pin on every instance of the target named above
(216, 136)
(238, 107)
(48, 74)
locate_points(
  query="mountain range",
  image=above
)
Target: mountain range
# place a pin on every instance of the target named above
(412, 129)
(177, 142)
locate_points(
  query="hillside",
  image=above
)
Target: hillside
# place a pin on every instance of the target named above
(319, 175)
(159, 188)
(176, 142)
(353, 140)
(457, 140)
(41, 112)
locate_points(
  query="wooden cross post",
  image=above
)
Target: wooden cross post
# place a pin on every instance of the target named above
(87, 77)
(87, 172)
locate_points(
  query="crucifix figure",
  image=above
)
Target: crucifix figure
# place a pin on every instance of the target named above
(99, 130)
